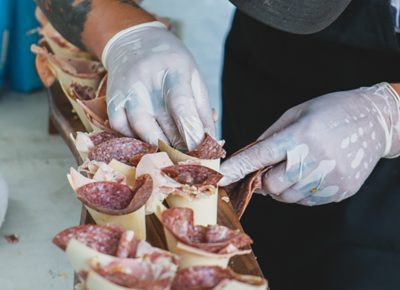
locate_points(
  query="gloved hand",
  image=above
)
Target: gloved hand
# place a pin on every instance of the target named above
(323, 150)
(154, 89)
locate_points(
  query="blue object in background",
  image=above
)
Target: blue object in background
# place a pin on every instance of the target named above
(21, 70)
(5, 9)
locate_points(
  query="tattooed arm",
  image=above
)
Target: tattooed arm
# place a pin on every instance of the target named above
(89, 24)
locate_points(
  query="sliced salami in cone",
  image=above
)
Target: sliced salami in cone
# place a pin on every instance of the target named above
(86, 244)
(70, 73)
(106, 146)
(127, 275)
(198, 190)
(59, 45)
(208, 153)
(114, 202)
(216, 278)
(200, 245)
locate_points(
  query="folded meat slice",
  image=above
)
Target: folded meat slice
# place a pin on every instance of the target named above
(77, 67)
(193, 175)
(241, 192)
(213, 278)
(126, 150)
(214, 239)
(87, 245)
(209, 148)
(111, 240)
(152, 165)
(114, 198)
(131, 274)
(103, 239)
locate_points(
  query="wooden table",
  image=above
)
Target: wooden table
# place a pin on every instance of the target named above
(66, 122)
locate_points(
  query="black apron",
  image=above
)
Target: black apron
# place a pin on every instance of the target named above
(351, 245)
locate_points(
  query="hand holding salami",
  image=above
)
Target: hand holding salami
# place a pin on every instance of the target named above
(361, 126)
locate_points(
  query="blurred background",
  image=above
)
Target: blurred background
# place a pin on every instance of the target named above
(34, 164)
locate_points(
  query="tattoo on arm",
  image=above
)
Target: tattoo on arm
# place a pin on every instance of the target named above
(67, 16)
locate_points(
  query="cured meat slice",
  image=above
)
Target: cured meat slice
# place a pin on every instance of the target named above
(123, 149)
(103, 239)
(209, 148)
(82, 68)
(113, 241)
(115, 198)
(192, 174)
(213, 238)
(82, 92)
(135, 274)
(212, 277)
(101, 137)
(241, 192)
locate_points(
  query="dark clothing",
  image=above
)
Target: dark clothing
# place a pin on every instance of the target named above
(351, 245)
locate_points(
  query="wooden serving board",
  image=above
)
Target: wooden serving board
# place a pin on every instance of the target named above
(67, 123)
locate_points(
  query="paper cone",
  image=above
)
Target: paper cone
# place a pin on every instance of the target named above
(135, 221)
(190, 256)
(95, 282)
(204, 208)
(80, 255)
(177, 156)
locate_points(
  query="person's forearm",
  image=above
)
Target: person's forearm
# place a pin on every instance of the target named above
(89, 24)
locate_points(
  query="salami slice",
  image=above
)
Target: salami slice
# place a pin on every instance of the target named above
(101, 137)
(115, 198)
(136, 274)
(82, 92)
(103, 239)
(207, 278)
(212, 238)
(122, 149)
(209, 148)
(192, 174)
(128, 245)
(241, 192)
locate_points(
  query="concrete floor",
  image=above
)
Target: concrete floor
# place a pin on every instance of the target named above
(41, 202)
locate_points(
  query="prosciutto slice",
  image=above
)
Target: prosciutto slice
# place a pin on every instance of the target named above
(213, 239)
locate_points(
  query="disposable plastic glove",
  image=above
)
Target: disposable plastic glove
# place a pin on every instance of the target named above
(323, 150)
(154, 88)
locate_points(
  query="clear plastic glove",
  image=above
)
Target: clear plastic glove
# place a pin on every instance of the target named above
(154, 89)
(323, 150)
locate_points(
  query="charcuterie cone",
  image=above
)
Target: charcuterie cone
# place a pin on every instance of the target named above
(205, 207)
(85, 73)
(177, 156)
(95, 282)
(80, 255)
(86, 244)
(133, 219)
(216, 278)
(59, 45)
(193, 243)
